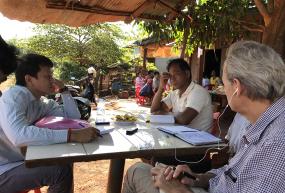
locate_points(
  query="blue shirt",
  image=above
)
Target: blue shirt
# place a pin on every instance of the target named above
(259, 165)
(19, 110)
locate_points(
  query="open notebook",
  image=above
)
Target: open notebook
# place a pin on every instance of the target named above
(190, 135)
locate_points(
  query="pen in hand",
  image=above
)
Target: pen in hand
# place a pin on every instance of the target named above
(185, 174)
(97, 130)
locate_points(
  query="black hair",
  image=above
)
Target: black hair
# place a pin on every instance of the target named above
(156, 72)
(8, 57)
(183, 65)
(30, 64)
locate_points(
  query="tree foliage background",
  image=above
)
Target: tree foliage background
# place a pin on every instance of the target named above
(203, 22)
(74, 49)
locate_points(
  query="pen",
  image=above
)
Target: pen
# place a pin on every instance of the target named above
(185, 174)
(82, 125)
(97, 130)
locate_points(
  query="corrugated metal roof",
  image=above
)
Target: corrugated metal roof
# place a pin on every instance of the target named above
(83, 12)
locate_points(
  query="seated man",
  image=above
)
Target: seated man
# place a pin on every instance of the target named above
(189, 102)
(236, 131)
(259, 164)
(20, 107)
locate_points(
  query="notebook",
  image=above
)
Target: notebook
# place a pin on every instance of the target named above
(190, 135)
(53, 122)
(198, 138)
(175, 129)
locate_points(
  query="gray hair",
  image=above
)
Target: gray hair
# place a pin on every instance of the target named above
(259, 69)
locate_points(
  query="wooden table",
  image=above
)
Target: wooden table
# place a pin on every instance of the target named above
(116, 146)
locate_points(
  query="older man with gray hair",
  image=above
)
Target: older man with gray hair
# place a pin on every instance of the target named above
(253, 77)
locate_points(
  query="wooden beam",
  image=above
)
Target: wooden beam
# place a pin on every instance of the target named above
(78, 7)
(187, 17)
(141, 9)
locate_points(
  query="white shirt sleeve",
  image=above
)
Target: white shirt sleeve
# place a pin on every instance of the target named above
(70, 106)
(168, 100)
(18, 114)
(68, 109)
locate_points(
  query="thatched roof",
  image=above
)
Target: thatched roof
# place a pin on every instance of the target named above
(84, 12)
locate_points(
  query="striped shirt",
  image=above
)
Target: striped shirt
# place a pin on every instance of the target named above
(19, 110)
(259, 165)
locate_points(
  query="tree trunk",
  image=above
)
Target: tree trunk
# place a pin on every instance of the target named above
(274, 33)
(185, 38)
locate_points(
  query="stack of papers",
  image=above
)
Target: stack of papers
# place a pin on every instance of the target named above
(100, 120)
(189, 135)
(162, 119)
(104, 129)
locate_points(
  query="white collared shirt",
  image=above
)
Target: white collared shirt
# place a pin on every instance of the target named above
(19, 110)
(195, 97)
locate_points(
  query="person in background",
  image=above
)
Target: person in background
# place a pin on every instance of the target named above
(205, 81)
(155, 81)
(139, 81)
(8, 60)
(259, 164)
(89, 90)
(214, 80)
(189, 102)
(20, 107)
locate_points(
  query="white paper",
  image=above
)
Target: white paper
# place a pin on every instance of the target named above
(104, 129)
(162, 119)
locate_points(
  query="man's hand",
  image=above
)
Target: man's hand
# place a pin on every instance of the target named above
(83, 135)
(167, 185)
(163, 80)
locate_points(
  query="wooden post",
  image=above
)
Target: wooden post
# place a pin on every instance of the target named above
(144, 57)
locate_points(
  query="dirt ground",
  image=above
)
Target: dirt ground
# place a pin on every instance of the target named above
(92, 177)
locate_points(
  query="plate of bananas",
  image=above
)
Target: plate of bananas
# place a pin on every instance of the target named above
(125, 120)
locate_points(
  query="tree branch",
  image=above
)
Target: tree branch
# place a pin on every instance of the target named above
(270, 6)
(263, 11)
(252, 29)
(249, 23)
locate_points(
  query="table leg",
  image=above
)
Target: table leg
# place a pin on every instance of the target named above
(115, 178)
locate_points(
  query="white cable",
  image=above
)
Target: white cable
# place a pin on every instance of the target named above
(216, 148)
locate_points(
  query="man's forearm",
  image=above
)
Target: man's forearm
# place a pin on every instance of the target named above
(156, 102)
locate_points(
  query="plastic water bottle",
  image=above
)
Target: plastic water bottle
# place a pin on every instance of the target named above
(101, 107)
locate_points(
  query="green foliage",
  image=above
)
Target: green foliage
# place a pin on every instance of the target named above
(208, 21)
(70, 70)
(74, 49)
(151, 66)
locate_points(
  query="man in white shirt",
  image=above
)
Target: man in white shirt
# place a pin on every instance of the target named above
(189, 102)
(20, 107)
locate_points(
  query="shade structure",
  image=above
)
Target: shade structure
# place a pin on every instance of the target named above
(85, 12)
